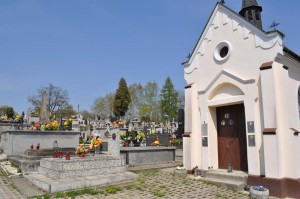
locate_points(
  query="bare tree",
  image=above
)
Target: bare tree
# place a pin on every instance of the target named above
(57, 99)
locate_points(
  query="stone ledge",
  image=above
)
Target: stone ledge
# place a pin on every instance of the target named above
(148, 148)
(53, 186)
(75, 163)
(80, 173)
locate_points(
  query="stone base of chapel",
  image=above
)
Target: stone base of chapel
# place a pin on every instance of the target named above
(281, 188)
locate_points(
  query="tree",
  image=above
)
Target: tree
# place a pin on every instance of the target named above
(103, 106)
(57, 99)
(122, 99)
(66, 112)
(150, 102)
(169, 99)
(136, 92)
(7, 110)
(181, 99)
(87, 115)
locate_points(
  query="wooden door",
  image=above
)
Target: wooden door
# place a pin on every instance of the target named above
(232, 142)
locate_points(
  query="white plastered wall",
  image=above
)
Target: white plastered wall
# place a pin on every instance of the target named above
(240, 70)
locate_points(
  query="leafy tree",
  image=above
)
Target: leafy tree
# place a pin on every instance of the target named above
(9, 111)
(181, 99)
(150, 102)
(103, 106)
(136, 95)
(122, 99)
(66, 112)
(87, 115)
(169, 99)
(57, 99)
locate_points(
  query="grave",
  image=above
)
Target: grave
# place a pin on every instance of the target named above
(56, 175)
(16, 142)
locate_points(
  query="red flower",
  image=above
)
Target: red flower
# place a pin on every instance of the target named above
(81, 138)
(89, 150)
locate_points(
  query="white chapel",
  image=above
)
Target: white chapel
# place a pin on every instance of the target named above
(242, 101)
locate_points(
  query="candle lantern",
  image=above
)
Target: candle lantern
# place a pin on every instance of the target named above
(32, 147)
(55, 154)
(38, 146)
(229, 168)
(68, 156)
(55, 144)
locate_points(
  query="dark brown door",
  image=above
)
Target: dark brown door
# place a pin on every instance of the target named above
(232, 142)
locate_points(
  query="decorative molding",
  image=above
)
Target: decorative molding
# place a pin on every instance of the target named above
(216, 21)
(262, 39)
(225, 18)
(267, 42)
(190, 68)
(246, 32)
(201, 49)
(235, 25)
(224, 72)
(208, 36)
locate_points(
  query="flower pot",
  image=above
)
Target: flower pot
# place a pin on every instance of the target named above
(259, 194)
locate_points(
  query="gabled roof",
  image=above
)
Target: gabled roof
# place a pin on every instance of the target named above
(291, 54)
(233, 13)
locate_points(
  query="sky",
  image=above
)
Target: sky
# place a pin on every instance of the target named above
(86, 46)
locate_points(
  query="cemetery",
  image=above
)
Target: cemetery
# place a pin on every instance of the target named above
(64, 154)
(232, 131)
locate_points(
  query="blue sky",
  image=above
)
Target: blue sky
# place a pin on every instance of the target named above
(86, 46)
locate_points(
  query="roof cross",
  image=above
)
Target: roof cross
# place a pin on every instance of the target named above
(274, 25)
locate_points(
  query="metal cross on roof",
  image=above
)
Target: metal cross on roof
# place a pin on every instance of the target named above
(274, 25)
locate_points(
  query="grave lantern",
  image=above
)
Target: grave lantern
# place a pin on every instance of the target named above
(229, 168)
(55, 144)
(68, 156)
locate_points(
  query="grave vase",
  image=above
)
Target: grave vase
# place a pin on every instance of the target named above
(97, 150)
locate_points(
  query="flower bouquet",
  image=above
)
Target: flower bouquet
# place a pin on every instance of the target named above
(141, 136)
(81, 150)
(156, 142)
(95, 145)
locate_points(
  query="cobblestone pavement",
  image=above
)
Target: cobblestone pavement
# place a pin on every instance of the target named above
(153, 184)
(7, 189)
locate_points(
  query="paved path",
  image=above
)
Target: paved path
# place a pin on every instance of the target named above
(7, 189)
(154, 184)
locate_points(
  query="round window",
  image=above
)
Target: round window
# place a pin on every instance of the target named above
(222, 51)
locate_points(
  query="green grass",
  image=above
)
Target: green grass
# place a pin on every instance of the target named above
(73, 194)
(158, 193)
(113, 190)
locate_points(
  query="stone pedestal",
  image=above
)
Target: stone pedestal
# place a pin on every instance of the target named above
(56, 168)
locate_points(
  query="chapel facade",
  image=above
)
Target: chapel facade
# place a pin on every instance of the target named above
(242, 101)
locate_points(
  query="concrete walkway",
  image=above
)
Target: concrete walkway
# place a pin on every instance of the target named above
(7, 189)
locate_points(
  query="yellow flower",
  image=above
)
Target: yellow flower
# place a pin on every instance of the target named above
(70, 119)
